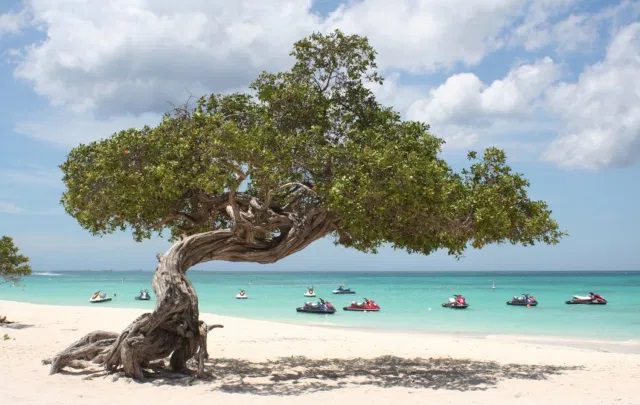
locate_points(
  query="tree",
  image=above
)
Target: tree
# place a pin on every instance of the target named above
(13, 265)
(256, 177)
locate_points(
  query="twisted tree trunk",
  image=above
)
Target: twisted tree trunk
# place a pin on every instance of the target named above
(173, 328)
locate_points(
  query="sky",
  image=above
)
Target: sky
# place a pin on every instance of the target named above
(556, 83)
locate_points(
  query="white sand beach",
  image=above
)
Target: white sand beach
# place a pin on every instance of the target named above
(256, 366)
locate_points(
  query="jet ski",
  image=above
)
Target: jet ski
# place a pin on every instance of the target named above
(241, 295)
(365, 306)
(143, 296)
(342, 290)
(591, 299)
(524, 300)
(320, 307)
(456, 302)
(310, 292)
(99, 296)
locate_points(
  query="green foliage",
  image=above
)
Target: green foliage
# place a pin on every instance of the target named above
(13, 265)
(317, 124)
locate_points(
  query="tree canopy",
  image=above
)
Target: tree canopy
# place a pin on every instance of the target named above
(310, 139)
(13, 265)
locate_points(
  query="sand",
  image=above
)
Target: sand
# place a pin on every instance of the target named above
(263, 362)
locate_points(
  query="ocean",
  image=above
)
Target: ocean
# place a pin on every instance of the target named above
(410, 301)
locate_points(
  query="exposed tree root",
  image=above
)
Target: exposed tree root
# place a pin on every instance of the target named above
(102, 348)
(90, 347)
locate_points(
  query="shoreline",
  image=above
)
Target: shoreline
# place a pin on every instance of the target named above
(365, 366)
(621, 345)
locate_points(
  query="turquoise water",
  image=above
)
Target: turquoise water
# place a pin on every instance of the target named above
(409, 301)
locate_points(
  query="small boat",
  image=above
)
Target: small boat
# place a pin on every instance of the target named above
(99, 296)
(591, 299)
(342, 290)
(456, 302)
(365, 306)
(310, 292)
(241, 295)
(143, 296)
(320, 307)
(524, 300)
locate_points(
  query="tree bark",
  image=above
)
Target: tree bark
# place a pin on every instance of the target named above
(173, 328)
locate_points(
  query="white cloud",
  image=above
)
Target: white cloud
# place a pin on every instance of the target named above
(9, 208)
(520, 88)
(601, 110)
(456, 101)
(535, 31)
(421, 36)
(575, 33)
(461, 107)
(12, 23)
(560, 25)
(135, 56)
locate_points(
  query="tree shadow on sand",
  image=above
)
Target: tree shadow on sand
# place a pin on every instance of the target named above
(301, 375)
(14, 325)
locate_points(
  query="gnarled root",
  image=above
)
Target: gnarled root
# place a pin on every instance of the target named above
(90, 347)
(132, 351)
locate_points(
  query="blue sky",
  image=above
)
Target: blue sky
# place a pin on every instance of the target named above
(553, 82)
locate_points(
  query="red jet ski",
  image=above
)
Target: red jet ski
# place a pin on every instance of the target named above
(591, 299)
(367, 305)
(456, 302)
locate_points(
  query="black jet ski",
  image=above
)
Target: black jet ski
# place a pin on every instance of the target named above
(342, 290)
(524, 300)
(320, 307)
